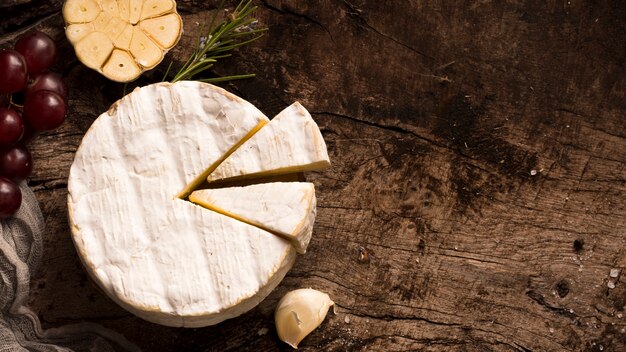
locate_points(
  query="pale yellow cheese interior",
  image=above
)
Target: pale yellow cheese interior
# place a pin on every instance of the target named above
(293, 170)
(202, 177)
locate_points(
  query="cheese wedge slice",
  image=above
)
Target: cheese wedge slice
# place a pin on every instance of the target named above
(291, 142)
(283, 208)
(160, 257)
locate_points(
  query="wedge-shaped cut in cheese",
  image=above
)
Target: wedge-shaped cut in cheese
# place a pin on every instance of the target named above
(152, 8)
(76, 32)
(163, 30)
(291, 142)
(120, 66)
(94, 49)
(163, 258)
(80, 11)
(145, 29)
(283, 208)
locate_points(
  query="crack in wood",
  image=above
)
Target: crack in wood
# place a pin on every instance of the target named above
(397, 129)
(477, 258)
(300, 15)
(358, 15)
(392, 317)
(11, 30)
(48, 184)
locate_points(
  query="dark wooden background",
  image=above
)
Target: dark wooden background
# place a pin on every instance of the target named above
(477, 198)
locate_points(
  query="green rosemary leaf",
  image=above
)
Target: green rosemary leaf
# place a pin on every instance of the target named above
(226, 78)
(214, 17)
(237, 29)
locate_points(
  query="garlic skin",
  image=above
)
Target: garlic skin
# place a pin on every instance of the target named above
(299, 312)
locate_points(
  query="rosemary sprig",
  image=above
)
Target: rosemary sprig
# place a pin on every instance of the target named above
(237, 29)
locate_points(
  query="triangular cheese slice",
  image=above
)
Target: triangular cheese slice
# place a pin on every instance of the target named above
(284, 208)
(291, 142)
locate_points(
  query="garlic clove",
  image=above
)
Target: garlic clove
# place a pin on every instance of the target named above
(80, 11)
(114, 28)
(134, 12)
(94, 49)
(76, 32)
(101, 22)
(299, 312)
(153, 8)
(164, 30)
(123, 7)
(146, 52)
(121, 66)
(122, 41)
(109, 6)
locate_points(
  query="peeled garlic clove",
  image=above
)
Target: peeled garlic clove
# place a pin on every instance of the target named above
(299, 312)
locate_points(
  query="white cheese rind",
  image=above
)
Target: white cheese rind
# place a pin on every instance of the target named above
(284, 208)
(160, 257)
(291, 142)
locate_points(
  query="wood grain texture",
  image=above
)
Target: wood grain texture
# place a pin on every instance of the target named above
(477, 198)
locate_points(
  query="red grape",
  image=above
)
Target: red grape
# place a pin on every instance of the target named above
(11, 126)
(48, 81)
(16, 163)
(44, 110)
(10, 198)
(13, 74)
(39, 51)
(29, 133)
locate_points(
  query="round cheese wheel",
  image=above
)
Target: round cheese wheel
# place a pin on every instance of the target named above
(153, 252)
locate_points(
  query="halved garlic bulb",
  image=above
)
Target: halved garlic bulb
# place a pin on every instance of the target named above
(299, 312)
(122, 38)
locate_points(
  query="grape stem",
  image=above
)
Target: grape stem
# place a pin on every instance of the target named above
(12, 103)
(8, 98)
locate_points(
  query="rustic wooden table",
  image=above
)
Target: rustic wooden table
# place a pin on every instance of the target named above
(477, 198)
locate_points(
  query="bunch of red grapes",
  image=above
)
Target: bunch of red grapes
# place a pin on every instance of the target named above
(31, 99)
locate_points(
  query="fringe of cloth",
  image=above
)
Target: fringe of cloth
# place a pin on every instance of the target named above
(20, 330)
